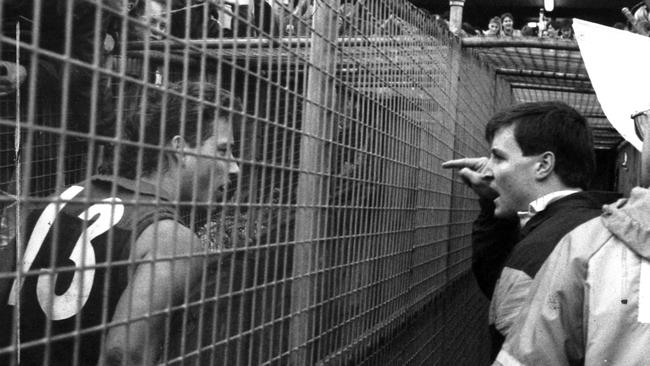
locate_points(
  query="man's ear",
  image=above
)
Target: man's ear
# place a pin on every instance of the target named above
(178, 145)
(545, 165)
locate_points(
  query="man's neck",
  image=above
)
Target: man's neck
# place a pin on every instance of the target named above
(164, 181)
(550, 185)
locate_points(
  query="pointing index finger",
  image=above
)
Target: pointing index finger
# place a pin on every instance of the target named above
(471, 163)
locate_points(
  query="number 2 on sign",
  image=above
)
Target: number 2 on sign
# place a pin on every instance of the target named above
(63, 306)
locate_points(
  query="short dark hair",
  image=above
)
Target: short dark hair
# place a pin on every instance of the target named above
(173, 111)
(507, 15)
(555, 127)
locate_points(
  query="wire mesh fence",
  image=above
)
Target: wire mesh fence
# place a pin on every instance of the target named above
(237, 182)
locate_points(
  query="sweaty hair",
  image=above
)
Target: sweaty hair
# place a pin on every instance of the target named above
(554, 127)
(187, 114)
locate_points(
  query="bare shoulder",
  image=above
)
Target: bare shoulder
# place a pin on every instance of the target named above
(166, 237)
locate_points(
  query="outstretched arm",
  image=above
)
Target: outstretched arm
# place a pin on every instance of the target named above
(163, 252)
(492, 238)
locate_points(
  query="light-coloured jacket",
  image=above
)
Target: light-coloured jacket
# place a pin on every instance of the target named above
(590, 302)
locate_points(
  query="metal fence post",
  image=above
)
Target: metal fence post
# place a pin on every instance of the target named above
(455, 59)
(314, 166)
(456, 15)
(641, 122)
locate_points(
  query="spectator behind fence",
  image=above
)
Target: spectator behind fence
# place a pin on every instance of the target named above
(640, 23)
(621, 26)
(64, 83)
(190, 16)
(507, 26)
(229, 18)
(588, 304)
(641, 13)
(494, 27)
(540, 165)
(552, 30)
(154, 14)
(199, 19)
(468, 30)
(138, 257)
(527, 31)
(566, 32)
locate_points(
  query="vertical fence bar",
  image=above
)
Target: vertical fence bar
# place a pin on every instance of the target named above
(456, 15)
(642, 121)
(314, 165)
(455, 58)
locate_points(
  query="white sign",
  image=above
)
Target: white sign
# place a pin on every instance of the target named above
(618, 65)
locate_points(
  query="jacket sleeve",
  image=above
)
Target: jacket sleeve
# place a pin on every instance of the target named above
(549, 329)
(492, 242)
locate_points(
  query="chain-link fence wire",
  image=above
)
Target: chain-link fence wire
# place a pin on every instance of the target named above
(336, 229)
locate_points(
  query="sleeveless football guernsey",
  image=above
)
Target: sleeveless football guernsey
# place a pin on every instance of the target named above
(77, 258)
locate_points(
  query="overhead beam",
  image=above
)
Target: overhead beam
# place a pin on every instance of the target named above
(530, 42)
(558, 88)
(543, 74)
(255, 42)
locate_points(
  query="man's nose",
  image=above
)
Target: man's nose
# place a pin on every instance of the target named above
(234, 167)
(487, 173)
(487, 177)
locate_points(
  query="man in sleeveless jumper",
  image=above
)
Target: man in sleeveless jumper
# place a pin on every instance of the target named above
(105, 261)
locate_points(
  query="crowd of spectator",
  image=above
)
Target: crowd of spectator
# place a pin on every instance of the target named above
(504, 26)
(636, 20)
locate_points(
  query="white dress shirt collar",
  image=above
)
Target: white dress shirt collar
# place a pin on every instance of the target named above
(541, 203)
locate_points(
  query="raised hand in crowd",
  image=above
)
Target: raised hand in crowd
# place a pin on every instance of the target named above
(639, 20)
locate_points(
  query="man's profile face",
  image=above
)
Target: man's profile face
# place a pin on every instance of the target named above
(511, 174)
(207, 173)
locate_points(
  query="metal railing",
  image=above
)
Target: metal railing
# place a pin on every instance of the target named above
(337, 225)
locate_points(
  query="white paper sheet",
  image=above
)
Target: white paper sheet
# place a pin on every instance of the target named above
(618, 64)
